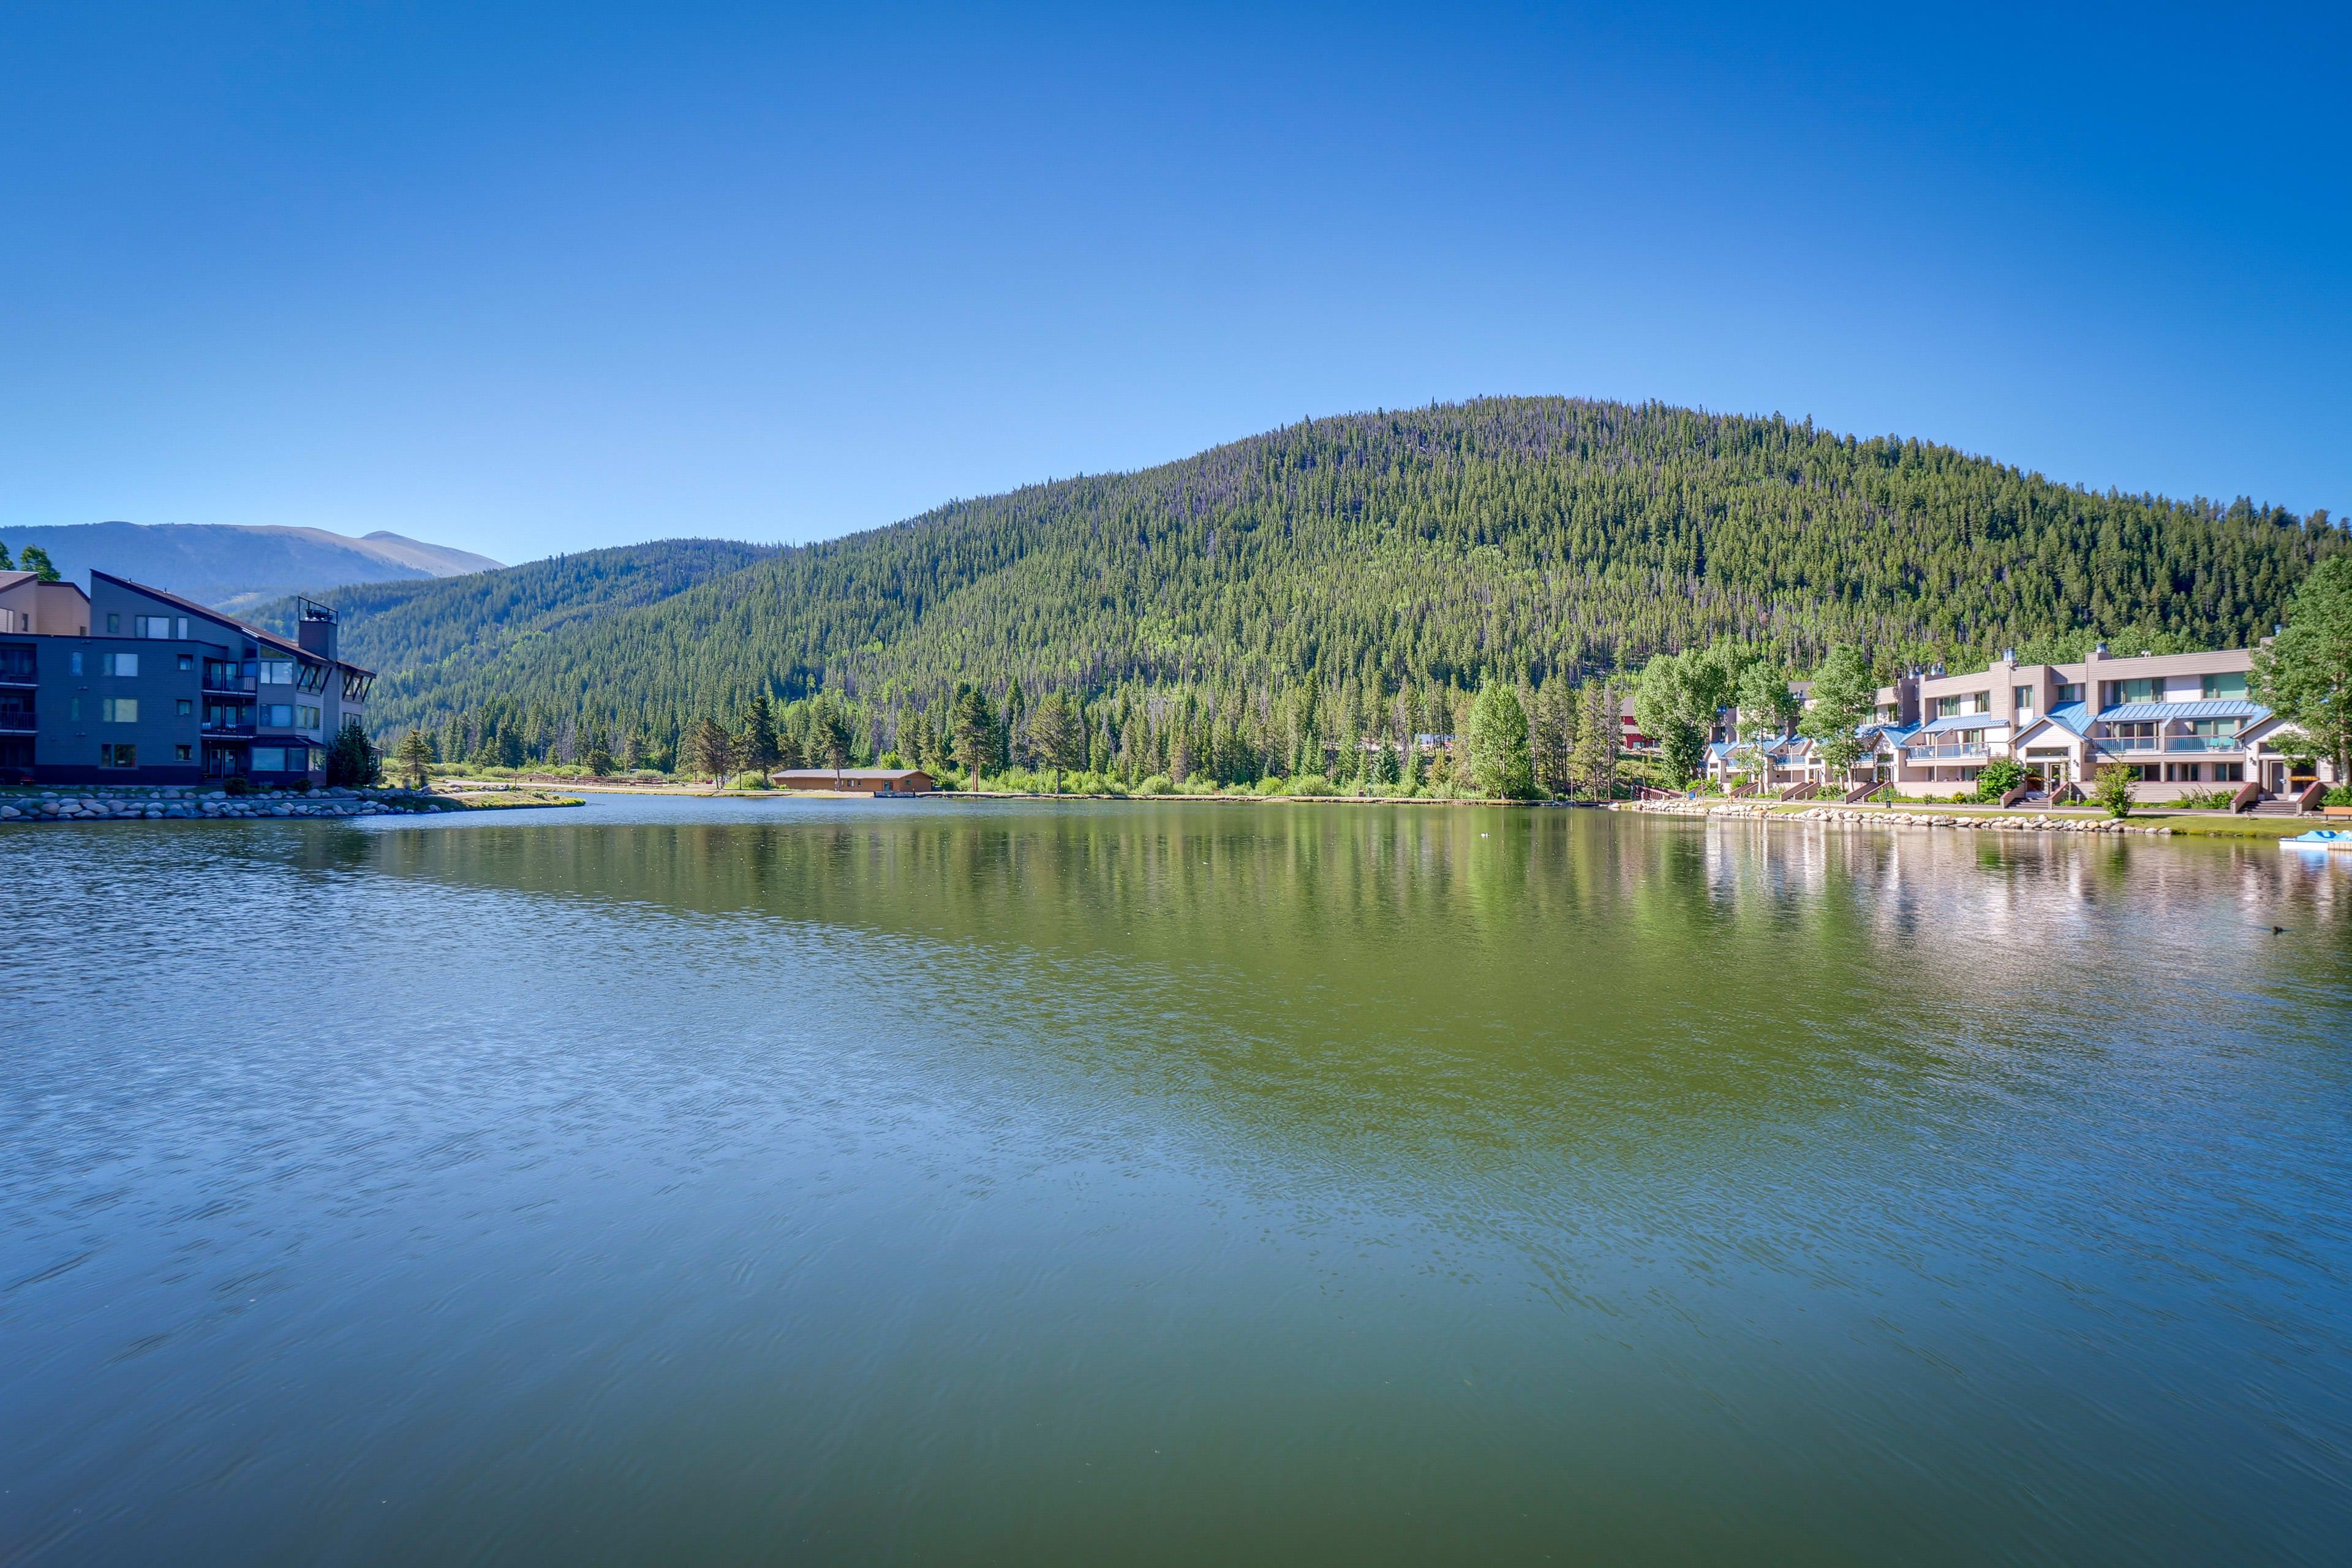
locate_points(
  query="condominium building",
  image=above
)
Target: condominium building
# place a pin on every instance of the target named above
(2183, 722)
(129, 684)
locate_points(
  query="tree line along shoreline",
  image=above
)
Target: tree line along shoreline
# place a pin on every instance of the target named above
(1557, 739)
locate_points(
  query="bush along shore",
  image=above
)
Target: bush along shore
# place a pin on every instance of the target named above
(1883, 818)
(167, 804)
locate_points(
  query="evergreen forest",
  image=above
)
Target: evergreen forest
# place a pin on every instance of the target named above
(1282, 596)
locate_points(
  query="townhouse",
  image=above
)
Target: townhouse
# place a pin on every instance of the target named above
(2184, 722)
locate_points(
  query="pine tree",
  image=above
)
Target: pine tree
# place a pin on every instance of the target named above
(762, 748)
(829, 734)
(596, 754)
(1598, 727)
(710, 751)
(415, 752)
(36, 560)
(1551, 737)
(972, 726)
(1056, 740)
(1017, 726)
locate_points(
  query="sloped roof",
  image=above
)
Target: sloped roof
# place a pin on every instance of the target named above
(2218, 708)
(1964, 721)
(219, 618)
(2073, 716)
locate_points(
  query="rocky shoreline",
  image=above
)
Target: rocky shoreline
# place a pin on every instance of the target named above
(1847, 816)
(167, 804)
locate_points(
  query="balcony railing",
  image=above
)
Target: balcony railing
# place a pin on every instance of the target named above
(211, 731)
(2202, 744)
(17, 723)
(1944, 753)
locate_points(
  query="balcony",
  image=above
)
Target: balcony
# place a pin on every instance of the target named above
(226, 732)
(17, 723)
(1944, 753)
(229, 685)
(2202, 744)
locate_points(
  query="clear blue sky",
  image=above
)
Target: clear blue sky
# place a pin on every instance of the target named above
(529, 278)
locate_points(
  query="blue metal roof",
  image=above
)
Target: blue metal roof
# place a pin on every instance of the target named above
(1964, 721)
(2219, 708)
(2073, 716)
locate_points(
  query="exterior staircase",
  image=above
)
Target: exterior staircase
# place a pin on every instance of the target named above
(2253, 800)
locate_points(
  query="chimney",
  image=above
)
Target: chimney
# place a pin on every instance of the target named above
(314, 632)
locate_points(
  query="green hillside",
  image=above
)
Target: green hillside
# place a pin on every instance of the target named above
(1369, 555)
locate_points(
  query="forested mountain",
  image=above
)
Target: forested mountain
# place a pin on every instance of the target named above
(234, 566)
(1531, 539)
(413, 630)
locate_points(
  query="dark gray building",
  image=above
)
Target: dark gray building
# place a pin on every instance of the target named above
(159, 689)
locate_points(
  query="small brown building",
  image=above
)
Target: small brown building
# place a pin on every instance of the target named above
(860, 781)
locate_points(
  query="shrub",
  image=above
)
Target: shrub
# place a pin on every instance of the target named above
(2205, 800)
(2340, 795)
(2118, 788)
(1311, 783)
(1273, 785)
(1997, 777)
(1158, 783)
(751, 781)
(238, 784)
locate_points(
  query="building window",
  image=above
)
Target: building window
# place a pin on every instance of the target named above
(2220, 688)
(2024, 695)
(73, 707)
(2148, 691)
(2070, 692)
(157, 629)
(305, 718)
(73, 662)
(187, 708)
(114, 623)
(277, 715)
(118, 664)
(269, 759)
(187, 661)
(2229, 773)
(118, 709)
(117, 756)
(2145, 771)
(277, 671)
(183, 753)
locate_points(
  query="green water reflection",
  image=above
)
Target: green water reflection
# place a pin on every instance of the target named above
(1064, 1183)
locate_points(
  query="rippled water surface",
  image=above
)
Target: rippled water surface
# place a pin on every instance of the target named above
(1053, 1184)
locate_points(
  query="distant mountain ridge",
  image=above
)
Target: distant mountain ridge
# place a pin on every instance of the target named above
(234, 566)
(417, 627)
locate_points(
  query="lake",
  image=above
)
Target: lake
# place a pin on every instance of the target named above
(1058, 1182)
